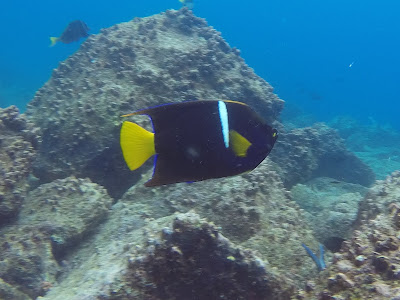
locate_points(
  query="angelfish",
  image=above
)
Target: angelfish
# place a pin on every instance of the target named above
(73, 32)
(197, 140)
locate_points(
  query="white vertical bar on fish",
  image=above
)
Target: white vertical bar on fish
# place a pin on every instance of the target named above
(223, 116)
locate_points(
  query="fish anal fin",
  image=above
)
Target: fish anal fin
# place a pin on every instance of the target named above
(137, 144)
(238, 143)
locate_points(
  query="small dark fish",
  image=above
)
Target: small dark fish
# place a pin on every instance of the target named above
(72, 33)
(198, 140)
(318, 260)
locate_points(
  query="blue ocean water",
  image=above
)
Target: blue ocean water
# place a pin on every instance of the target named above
(327, 58)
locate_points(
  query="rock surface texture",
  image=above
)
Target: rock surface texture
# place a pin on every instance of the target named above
(177, 257)
(170, 57)
(331, 208)
(54, 219)
(367, 266)
(318, 151)
(193, 260)
(253, 210)
(18, 143)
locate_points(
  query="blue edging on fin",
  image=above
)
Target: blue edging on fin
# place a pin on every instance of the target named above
(151, 121)
(154, 167)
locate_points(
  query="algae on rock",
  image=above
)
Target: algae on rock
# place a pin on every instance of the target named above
(367, 266)
(18, 143)
(54, 219)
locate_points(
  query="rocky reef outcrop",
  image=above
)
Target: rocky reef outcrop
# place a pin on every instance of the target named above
(374, 143)
(146, 249)
(170, 57)
(367, 266)
(18, 145)
(177, 257)
(67, 210)
(253, 210)
(54, 218)
(193, 260)
(331, 208)
(318, 151)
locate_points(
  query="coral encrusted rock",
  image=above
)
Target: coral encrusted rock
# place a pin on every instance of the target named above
(170, 57)
(27, 265)
(193, 260)
(331, 208)
(181, 256)
(67, 210)
(253, 210)
(368, 265)
(318, 151)
(55, 217)
(18, 140)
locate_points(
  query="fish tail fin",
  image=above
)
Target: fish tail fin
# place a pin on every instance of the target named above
(319, 261)
(321, 257)
(137, 144)
(53, 40)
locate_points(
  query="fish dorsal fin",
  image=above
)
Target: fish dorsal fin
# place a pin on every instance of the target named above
(137, 144)
(238, 143)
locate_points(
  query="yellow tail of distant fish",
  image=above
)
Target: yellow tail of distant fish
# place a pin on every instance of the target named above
(53, 40)
(137, 144)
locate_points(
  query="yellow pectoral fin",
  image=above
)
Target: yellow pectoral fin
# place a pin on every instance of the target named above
(137, 144)
(238, 143)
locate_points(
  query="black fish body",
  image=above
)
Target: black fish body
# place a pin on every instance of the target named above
(74, 31)
(200, 140)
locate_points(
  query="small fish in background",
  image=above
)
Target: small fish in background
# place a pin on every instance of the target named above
(187, 3)
(73, 32)
(351, 65)
(318, 260)
(197, 140)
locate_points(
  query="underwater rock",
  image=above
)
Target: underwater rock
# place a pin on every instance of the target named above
(168, 258)
(253, 210)
(374, 144)
(384, 194)
(318, 151)
(54, 218)
(193, 260)
(27, 265)
(367, 266)
(18, 143)
(67, 210)
(170, 57)
(7, 291)
(331, 208)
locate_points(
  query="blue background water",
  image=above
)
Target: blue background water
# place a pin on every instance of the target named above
(303, 48)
